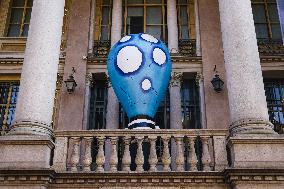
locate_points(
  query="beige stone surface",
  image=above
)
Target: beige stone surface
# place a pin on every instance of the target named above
(4, 10)
(216, 104)
(259, 186)
(25, 152)
(60, 154)
(71, 115)
(24, 187)
(253, 151)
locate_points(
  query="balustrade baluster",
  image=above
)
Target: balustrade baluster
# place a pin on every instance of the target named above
(126, 160)
(74, 160)
(87, 159)
(205, 154)
(139, 160)
(166, 159)
(192, 155)
(100, 157)
(153, 155)
(113, 157)
(180, 154)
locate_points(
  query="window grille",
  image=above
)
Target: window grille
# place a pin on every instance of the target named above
(20, 18)
(8, 99)
(274, 91)
(190, 105)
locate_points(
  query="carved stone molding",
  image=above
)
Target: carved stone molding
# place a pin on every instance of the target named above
(176, 79)
(89, 79)
(251, 126)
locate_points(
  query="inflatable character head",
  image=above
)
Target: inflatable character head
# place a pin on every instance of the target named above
(139, 69)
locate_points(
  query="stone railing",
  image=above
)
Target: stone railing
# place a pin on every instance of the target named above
(140, 151)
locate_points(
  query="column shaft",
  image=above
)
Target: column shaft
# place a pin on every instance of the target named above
(39, 72)
(112, 116)
(172, 26)
(116, 21)
(175, 101)
(248, 108)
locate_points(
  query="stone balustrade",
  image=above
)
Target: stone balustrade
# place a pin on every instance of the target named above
(140, 151)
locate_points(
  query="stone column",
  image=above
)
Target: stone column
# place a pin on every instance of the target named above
(89, 83)
(112, 115)
(172, 26)
(247, 102)
(175, 112)
(200, 82)
(39, 72)
(197, 30)
(175, 101)
(116, 21)
(92, 27)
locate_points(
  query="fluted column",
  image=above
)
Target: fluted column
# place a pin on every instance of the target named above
(39, 72)
(200, 82)
(116, 21)
(175, 113)
(112, 114)
(172, 26)
(175, 101)
(248, 108)
(89, 83)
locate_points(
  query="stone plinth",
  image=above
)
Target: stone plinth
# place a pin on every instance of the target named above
(25, 152)
(254, 151)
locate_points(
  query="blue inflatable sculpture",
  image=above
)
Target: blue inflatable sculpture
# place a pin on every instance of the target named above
(139, 68)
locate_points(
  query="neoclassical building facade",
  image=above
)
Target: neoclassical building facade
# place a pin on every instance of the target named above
(229, 137)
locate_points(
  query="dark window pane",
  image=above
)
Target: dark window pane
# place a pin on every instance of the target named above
(30, 3)
(136, 24)
(28, 15)
(106, 2)
(261, 31)
(135, 1)
(14, 30)
(276, 31)
(16, 16)
(259, 13)
(155, 31)
(18, 3)
(105, 16)
(104, 33)
(154, 15)
(25, 30)
(273, 13)
(183, 15)
(182, 1)
(190, 105)
(184, 32)
(153, 1)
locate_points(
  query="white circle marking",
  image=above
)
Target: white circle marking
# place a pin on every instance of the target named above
(146, 84)
(129, 59)
(159, 56)
(149, 38)
(125, 38)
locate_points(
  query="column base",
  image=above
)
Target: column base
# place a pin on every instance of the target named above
(252, 126)
(256, 151)
(31, 128)
(25, 152)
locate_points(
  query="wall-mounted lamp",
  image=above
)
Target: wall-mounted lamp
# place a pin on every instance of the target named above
(70, 82)
(217, 82)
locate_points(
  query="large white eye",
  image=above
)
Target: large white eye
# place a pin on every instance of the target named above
(129, 59)
(146, 84)
(125, 38)
(159, 56)
(149, 38)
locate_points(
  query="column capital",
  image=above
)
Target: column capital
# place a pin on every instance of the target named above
(89, 79)
(199, 78)
(176, 78)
